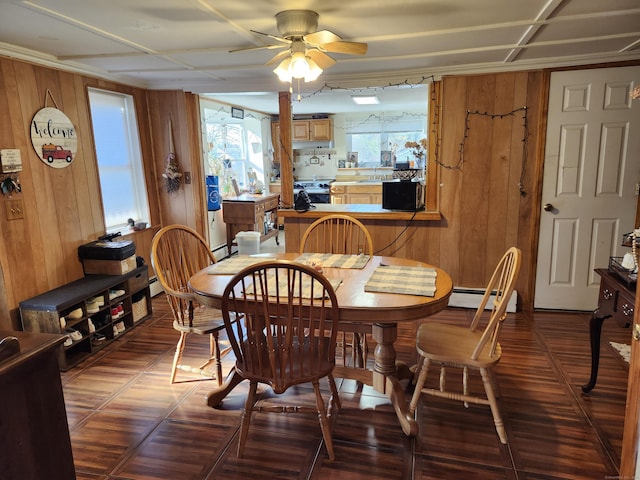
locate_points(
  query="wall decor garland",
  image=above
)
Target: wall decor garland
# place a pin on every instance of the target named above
(53, 135)
(467, 128)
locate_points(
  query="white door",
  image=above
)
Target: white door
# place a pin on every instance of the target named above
(591, 169)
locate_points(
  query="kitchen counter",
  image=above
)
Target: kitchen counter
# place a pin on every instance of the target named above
(354, 182)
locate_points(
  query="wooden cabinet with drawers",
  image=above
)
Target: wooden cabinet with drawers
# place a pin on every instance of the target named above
(616, 300)
(251, 213)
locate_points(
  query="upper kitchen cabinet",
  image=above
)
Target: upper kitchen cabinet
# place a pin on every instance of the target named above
(312, 130)
(306, 130)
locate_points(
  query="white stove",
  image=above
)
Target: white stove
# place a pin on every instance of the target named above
(318, 190)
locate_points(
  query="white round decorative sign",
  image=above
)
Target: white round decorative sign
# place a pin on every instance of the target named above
(53, 137)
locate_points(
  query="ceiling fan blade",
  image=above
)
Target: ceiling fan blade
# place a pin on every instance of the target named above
(280, 56)
(349, 48)
(261, 47)
(320, 37)
(273, 37)
(284, 41)
(322, 59)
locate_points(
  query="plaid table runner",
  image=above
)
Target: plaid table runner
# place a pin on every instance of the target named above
(234, 265)
(404, 280)
(331, 260)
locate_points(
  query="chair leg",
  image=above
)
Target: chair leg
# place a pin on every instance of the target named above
(177, 356)
(214, 348)
(335, 398)
(493, 403)
(246, 417)
(423, 365)
(324, 423)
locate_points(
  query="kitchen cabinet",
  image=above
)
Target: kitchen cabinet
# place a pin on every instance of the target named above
(275, 188)
(318, 129)
(251, 213)
(369, 193)
(43, 313)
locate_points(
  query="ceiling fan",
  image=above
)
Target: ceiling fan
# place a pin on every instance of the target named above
(306, 54)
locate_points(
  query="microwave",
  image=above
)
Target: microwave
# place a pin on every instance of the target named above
(402, 195)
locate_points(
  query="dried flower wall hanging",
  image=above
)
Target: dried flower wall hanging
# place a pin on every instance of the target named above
(172, 174)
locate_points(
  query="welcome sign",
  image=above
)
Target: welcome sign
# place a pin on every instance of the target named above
(53, 137)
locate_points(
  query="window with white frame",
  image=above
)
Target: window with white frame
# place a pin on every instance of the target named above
(115, 133)
(234, 147)
(373, 135)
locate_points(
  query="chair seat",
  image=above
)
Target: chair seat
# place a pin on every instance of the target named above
(441, 342)
(205, 321)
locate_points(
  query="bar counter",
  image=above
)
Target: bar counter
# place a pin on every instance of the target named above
(394, 233)
(361, 211)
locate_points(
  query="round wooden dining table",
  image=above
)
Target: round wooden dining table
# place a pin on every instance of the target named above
(382, 311)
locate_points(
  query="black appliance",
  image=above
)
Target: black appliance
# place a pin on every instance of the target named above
(402, 195)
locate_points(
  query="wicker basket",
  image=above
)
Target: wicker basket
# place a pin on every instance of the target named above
(139, 309)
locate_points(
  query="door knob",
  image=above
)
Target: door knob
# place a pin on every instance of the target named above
(636, 332)
(548, 207)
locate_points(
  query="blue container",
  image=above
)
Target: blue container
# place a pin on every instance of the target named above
(213, 193)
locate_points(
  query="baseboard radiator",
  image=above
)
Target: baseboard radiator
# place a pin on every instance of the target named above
(154, 286)
(470, 298)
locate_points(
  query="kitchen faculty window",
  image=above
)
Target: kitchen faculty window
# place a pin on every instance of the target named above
(115, 132)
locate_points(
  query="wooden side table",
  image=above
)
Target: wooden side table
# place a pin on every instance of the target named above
(251, 213)
(616, 299)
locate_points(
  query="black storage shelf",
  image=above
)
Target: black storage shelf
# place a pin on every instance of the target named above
(43, 312)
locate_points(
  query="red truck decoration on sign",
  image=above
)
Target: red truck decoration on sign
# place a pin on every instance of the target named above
(53, 137)
(51, 152)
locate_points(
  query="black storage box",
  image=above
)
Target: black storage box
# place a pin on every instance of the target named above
(102, 250)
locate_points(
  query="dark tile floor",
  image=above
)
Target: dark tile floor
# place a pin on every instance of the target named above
(127, 422)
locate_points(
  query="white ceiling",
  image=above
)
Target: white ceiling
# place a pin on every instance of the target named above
(184, 44)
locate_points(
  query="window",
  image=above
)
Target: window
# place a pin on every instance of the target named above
(376, 134)
(115, 132)
(234, 148)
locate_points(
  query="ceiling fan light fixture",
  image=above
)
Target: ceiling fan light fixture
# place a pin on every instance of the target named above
(282, 70)
(365, 99)
(299, 67)
(314, 71)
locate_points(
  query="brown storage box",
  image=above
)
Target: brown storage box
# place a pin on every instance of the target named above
(139, 309)
(109, 267)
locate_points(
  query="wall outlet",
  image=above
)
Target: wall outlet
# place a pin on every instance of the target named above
(637, 188)
(15, 209)
(187, 178)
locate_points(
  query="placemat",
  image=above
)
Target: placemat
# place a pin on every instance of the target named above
(404, 280)
(331, 260)
(306, 286)
(234, 265)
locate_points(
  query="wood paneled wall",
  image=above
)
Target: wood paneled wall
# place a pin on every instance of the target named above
(63, 207)
(484, 210)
